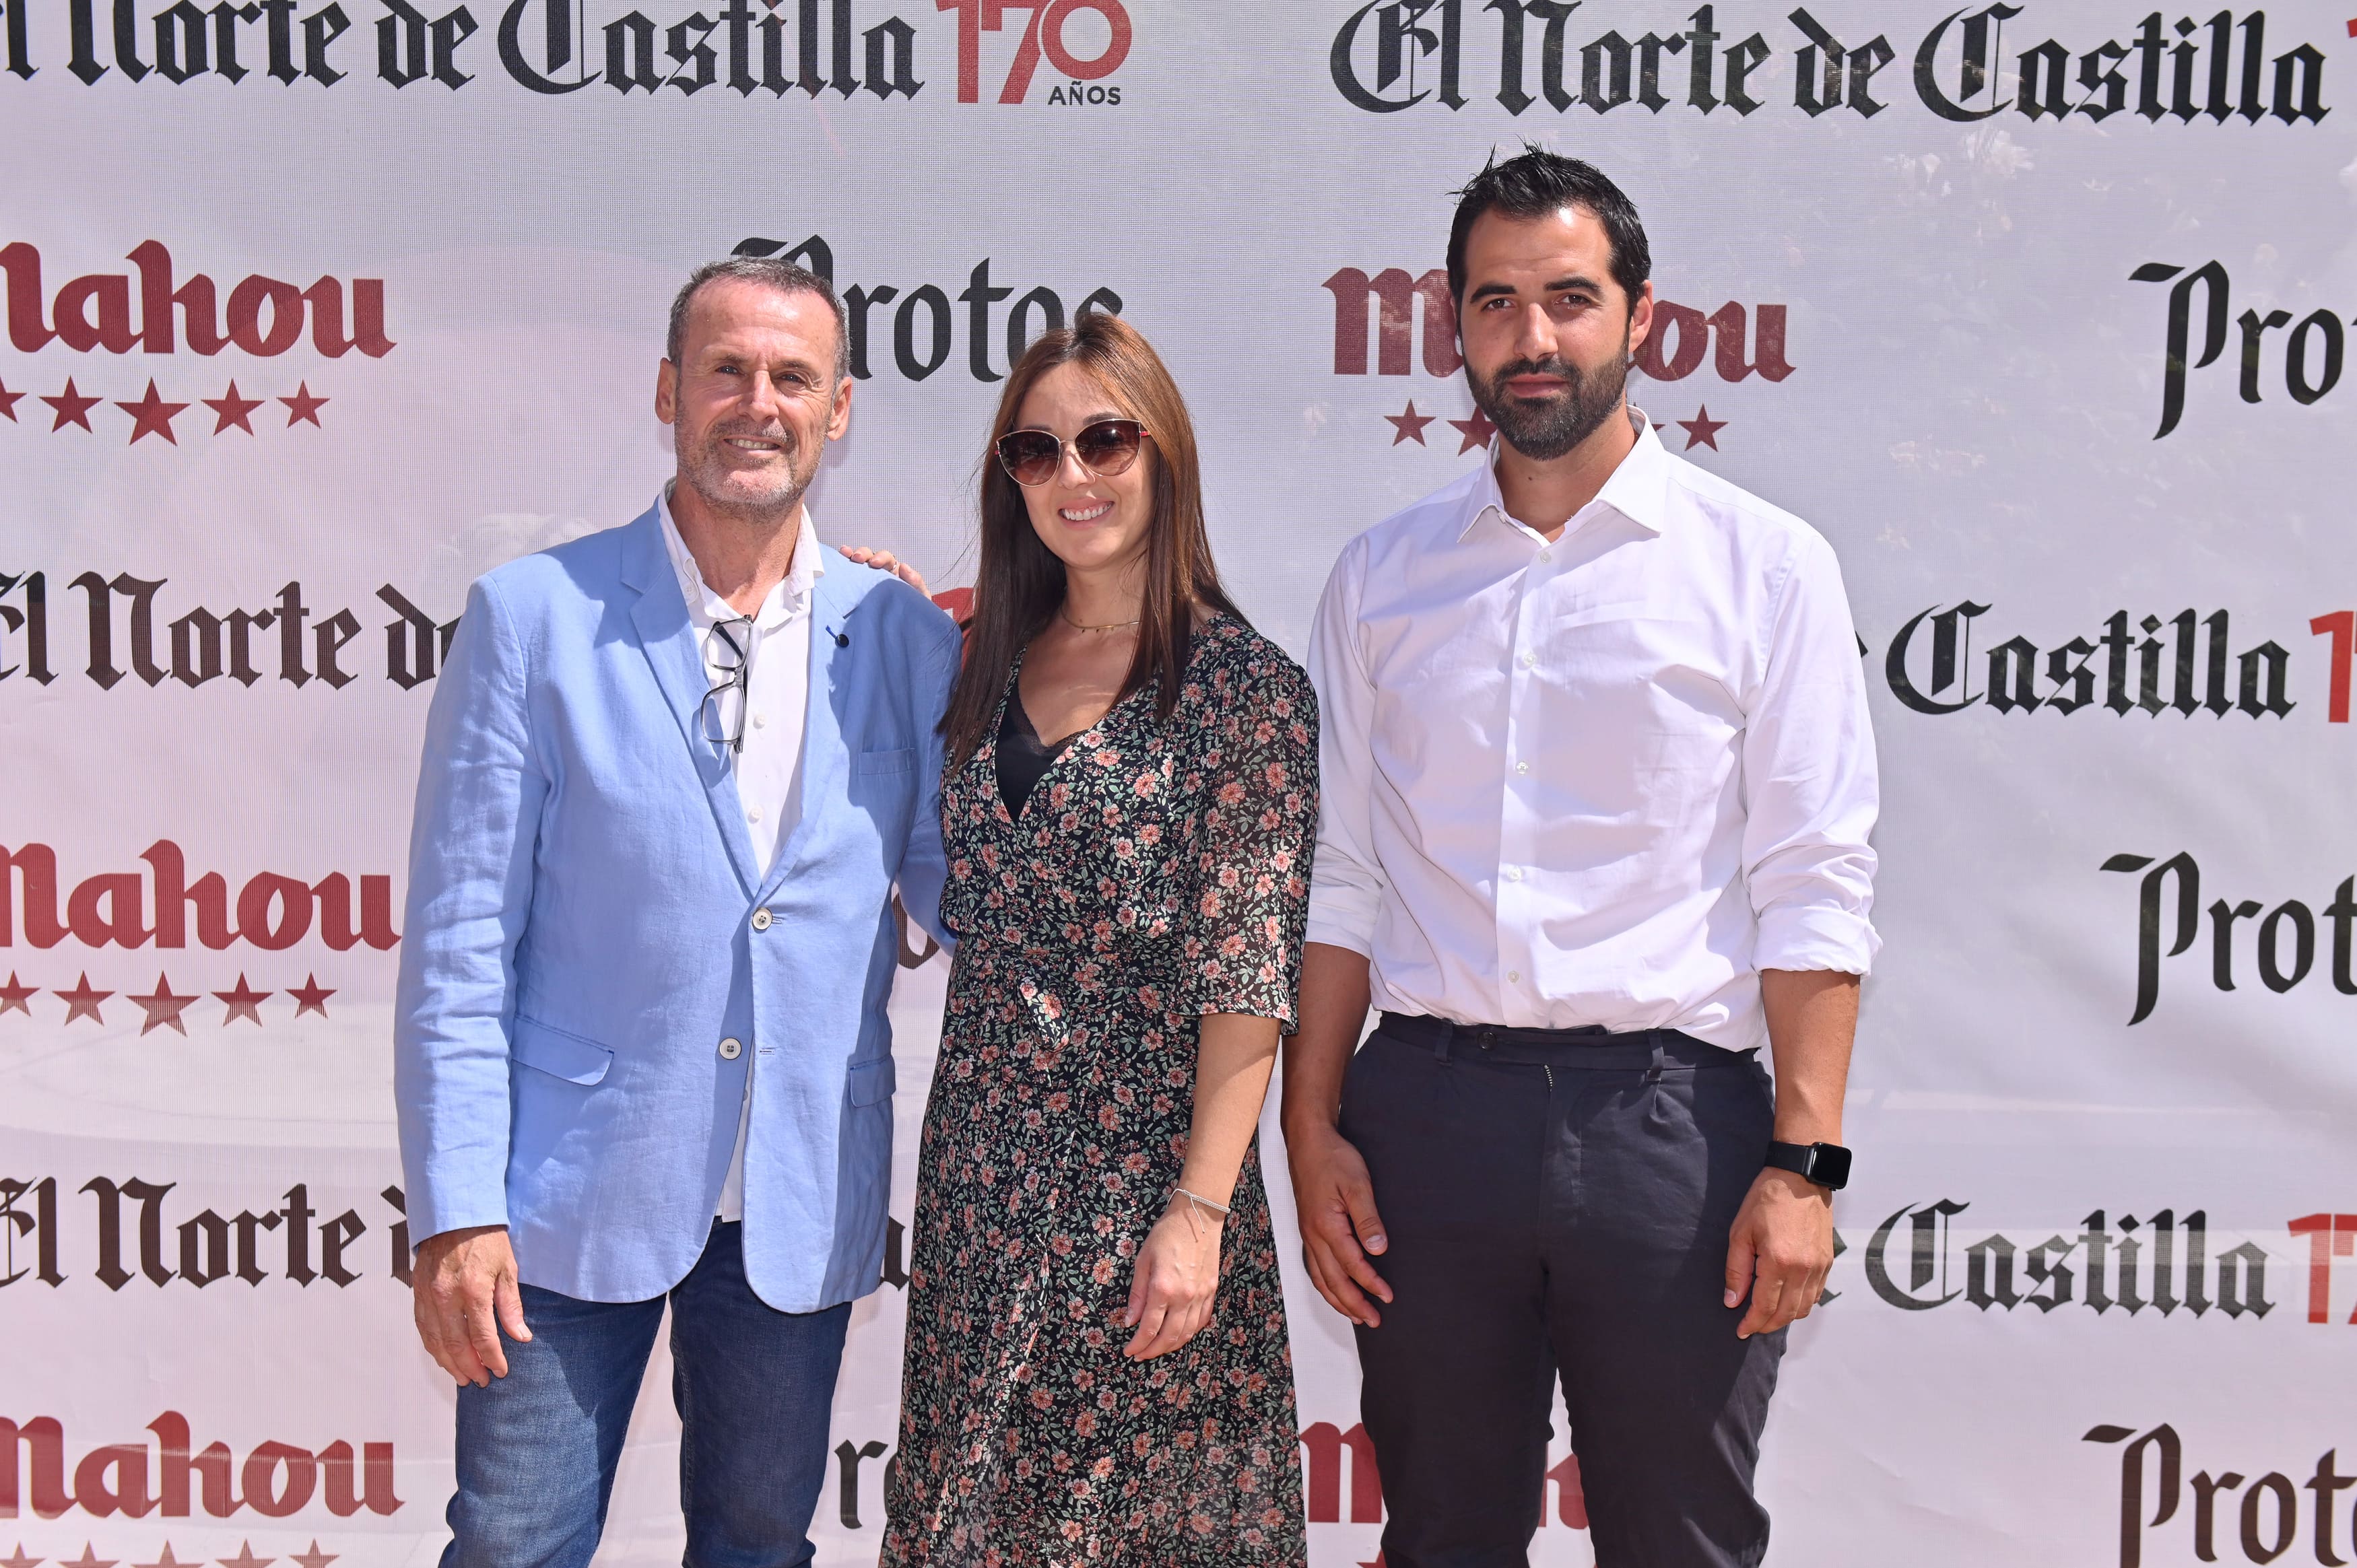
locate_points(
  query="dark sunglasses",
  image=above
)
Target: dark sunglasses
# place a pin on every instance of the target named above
(1105, 448)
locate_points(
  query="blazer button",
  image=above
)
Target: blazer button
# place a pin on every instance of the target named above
(761, 919)
(731, 1049)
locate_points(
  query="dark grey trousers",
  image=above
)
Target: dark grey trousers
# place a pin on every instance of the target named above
(1558, 1208)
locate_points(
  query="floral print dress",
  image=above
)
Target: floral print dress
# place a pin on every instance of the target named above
(1159, 870)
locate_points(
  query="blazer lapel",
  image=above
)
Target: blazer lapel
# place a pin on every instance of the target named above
(667, 638)
(832, 663)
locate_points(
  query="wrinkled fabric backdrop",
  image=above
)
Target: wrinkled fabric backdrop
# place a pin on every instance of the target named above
(317, 308)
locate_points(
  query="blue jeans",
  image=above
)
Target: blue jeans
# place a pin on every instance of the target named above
(753, 1386)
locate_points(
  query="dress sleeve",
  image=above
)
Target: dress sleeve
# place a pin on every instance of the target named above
(1253, 848)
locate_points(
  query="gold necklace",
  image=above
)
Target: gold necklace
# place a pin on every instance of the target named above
(1065, 615)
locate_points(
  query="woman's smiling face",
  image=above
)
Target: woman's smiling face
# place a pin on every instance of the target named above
(1089, 521)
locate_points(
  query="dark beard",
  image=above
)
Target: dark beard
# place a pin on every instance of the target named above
(1546, 429)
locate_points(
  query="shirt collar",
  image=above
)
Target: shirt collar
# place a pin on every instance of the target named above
(705, 609)
(1636, 489)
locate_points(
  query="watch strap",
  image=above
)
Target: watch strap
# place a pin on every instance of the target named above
(1827, 1164)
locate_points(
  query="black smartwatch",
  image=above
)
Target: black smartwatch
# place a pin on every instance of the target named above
(1827, 1164)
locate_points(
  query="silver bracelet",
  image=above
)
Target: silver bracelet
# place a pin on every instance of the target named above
(1219, 1208)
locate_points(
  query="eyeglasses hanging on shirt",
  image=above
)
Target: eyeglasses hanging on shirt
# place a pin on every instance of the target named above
(722, 723)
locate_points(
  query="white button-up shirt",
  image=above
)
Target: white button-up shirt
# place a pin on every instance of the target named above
(1601, 781)
(777, 699)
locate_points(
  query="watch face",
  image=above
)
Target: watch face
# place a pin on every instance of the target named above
(1829, 1165)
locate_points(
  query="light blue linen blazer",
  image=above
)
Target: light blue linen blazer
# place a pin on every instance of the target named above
(586, 925)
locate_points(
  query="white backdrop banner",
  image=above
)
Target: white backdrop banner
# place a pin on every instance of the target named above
(317, 308)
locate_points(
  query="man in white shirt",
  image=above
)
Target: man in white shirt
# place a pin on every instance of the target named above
(1598, 784)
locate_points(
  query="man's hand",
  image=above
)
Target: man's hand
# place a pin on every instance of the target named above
(1340, 1227)
(464, 1291)
(885, 561)
(1779, 1250)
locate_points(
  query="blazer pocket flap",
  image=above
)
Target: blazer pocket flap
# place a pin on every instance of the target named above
(558, 1054)
(870, 1083)
(901, 761)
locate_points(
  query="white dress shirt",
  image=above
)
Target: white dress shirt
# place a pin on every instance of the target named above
(777, 699)
(1604, 780)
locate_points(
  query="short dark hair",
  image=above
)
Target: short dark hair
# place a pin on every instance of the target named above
(1535, 182)
(770, 272)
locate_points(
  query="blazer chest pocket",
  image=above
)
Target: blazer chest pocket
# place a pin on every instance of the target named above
(558, 1053)
(901, 761)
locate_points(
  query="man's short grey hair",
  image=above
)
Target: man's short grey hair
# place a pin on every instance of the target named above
(770, 272)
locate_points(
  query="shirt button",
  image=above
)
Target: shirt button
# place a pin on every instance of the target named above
(1514, 874)
(753, 813)
(1521, 768)
(731, 1049)
(761, 919)
(1530, 661)
(761, 721)
(1514, 976)
(1546, 555)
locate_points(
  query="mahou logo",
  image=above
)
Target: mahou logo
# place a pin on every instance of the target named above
(164, 904)
(174, 1478)
(152, 310)
(1735, 341)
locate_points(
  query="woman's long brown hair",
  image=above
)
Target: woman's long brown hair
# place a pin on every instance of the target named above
(1020, 583)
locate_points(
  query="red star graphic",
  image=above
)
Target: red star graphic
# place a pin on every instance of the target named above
(315, 1557)
(242, 1003)
(1378, 1562)
(20, 1560)
(303, 406)
(12, 1000)
(81, 1002)
(2352, 27)
(88, 1559)
(244, 1557)
(72, 407)
(151, 416)
(8, 401)
(230, 409)
(1409, 427)
(164, 1007)
(1702, 429)
(168, 1561)
(310, 996)
(1476, 431)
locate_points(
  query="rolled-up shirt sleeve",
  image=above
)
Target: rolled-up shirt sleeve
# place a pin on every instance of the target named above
(1810, 781)
(1346, 886)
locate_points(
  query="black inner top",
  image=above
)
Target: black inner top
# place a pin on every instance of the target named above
(1023, 756)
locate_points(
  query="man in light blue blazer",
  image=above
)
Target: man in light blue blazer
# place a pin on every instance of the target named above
(673, 775)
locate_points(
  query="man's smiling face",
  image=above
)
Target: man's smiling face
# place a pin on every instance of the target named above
(754, 400)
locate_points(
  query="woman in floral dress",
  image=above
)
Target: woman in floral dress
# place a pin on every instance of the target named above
(1097, 1368)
